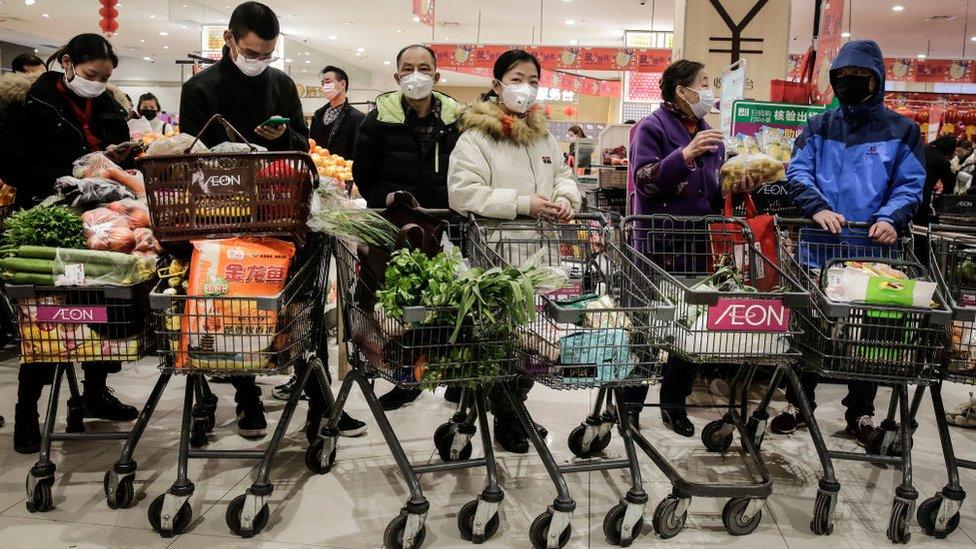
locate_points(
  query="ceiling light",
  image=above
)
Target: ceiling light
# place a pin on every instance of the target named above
(387, 62)
(845, 34)
(45, 15)
(897, 7)
(304, 70)
(183, 6)
(570, 22)
(183, 26)
(142, 40)
(29, 2)
(288, 60)
(922, 56)
(360, 50)
(163, 33)
(399, 31)
(447, 38)
(308, 61)
(443, 80)
(147, 58)
(347, 23)
(333, 37)
(152, 15)
(573, 42)
(416, 18)
(165, 47)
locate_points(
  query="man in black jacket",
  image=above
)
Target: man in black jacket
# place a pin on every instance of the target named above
(405, 144)
(244, 89)
(336, 125)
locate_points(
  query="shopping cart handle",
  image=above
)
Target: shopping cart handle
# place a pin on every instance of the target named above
(940, 228)
(804, 222)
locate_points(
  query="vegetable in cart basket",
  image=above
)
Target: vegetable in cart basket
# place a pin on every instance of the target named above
(45, 226)
(48, 266)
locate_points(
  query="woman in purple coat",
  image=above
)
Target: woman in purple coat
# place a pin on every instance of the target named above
(674, 164)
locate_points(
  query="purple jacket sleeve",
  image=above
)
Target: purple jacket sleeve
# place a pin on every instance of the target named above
(658, 169)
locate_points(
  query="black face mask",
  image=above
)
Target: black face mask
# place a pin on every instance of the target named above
(852, 89)
(148, 114)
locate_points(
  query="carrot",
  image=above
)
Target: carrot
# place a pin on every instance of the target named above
(130, 181)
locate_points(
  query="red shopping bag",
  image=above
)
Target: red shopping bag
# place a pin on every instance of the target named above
(728, 239)
(797, 90)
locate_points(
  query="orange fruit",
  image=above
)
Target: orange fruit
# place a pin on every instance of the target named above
(311, 143)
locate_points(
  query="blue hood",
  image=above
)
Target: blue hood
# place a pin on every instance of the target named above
(865, 54)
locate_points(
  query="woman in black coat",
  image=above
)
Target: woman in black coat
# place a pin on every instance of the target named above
(59, 118)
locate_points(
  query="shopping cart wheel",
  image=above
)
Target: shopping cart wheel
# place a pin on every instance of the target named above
(315, 453)
(393, 536)
(575, 442)
(233, 518)
(40, 501)
(539, 532)
(444, 442)
(180, 522)
(928, 513)
(613, 524)
(667, 521)
(734, 516)
(466, 517)
(124, 491)
(714, 439)
(899, 522)
(822, 522)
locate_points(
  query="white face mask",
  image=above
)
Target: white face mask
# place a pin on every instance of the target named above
(330, 90)
(706, 101)
(251, 67)
(519, 97)
(416, 85)
(89, 89)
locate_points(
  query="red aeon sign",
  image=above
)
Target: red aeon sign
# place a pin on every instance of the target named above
(748, 315)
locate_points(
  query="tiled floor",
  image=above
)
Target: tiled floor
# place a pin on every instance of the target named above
(350, 507)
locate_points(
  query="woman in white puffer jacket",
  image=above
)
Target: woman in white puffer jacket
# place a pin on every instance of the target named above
(506, 164)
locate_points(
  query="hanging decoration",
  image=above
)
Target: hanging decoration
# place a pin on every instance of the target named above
(109, 22)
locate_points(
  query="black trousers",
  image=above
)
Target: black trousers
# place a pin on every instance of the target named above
(677, 383)
(32, 378)
(498, 402)
(859, 400)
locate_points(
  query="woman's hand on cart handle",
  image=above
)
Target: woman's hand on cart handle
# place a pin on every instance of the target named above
(883, 232)
(541, 207)
(565, 211)
(830, 221)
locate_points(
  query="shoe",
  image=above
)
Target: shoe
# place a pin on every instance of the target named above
(397, 397)
(963, 415)
(509, 434)
(453, 394)
(543, 432)
(787, 421)
(27, 432)
(100, 403)
(283, 391)
(250, 419)
(719, 387)
(861, 430)
(678, 422)
(350, 426)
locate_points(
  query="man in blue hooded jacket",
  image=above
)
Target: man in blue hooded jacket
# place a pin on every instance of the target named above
(861, 162)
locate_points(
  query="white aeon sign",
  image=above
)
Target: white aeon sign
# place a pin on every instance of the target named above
(748, 315)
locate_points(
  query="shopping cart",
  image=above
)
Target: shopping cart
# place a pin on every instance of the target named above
(606, 201)
(422, 349)
(734, 309)
(60, 326)
(892, 345)
(240, 336)
(955, 209)
(602, 331)
(952, 259)
(217, 195)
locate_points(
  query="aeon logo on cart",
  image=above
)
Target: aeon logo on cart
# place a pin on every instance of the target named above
(748, 315)
(218, 181)
(72, 315)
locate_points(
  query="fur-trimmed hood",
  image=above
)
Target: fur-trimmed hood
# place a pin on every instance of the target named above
(488, 118)
(14, 87)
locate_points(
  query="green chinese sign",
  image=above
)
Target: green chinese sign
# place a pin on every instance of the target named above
(749, 116)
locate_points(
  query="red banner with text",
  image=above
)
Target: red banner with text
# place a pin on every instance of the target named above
(424, 9)
(558, 80)
(911, 69)
(556, 57)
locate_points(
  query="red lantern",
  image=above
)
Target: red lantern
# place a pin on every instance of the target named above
(109, 3)
(548, 111)
(108, 12)
(569, 111)
(108, 26)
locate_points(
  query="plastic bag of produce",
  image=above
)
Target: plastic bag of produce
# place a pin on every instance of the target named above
(762, 166)
(230, 147)
(136, 213)
(220, 330)
(91, 165)
(174, 145)
(100, 268)
(87, 193)
(107, 230)
(146, 243)
(876, 283)
(773, 142)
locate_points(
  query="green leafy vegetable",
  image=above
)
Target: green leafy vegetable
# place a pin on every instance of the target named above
(45, 226)
(335, 214)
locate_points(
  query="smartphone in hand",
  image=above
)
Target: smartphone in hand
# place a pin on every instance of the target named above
(275, 121)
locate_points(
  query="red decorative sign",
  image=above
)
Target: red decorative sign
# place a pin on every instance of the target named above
(910, 69)
(565, 58)
(828, 44)
(424, 9)
(748, 315)
(558, 80)
(72, 315)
